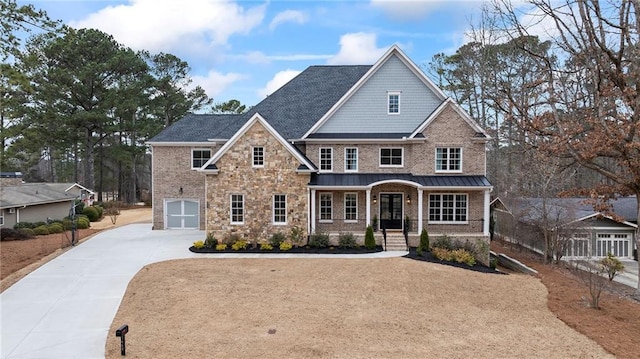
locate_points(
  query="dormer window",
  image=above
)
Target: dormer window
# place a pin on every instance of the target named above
(393, 103)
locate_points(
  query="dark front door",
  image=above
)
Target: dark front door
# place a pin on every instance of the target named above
(391, 211)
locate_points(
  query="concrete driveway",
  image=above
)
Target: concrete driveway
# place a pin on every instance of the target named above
(64, 309)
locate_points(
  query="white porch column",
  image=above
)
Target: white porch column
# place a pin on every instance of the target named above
(368, 211)
(487, 212)
(312, 221)
(420, 210)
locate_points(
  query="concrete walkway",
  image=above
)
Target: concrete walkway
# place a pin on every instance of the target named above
(64, 309)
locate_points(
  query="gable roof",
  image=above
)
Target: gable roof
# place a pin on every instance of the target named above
(393, 51)
(462, 113)
(29, 194)
(209, 166)
(201, 128)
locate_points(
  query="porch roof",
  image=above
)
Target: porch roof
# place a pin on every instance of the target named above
(368, 180)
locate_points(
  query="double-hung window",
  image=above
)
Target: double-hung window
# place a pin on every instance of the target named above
(351, 159)
(449, 159)
(391, 157)
(448, 208)
(326, 159)
(350, 207)
(393, 102)
(280, 209)
(237, 209)
(199, 157)
(326, 207)
(258, 156)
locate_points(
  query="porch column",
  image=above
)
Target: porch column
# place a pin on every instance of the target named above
(487, 213)
(312, 221)
(420, 210)
(368, 211)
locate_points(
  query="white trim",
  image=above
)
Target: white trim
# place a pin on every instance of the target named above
(320, 159)
(390, 157)
(420, 211)
(231, 209)
(368, 208)
(273, 210)
(344, 203)
(83, 188)
(253, 157)
(448, 148)
(345, 159)
(454, 208)
(254, 119)
(184, 144)
(320, 220)
(351, 141)
(199, 149)
(604, 216)
(487, 212)
(460, 111)
(389, 94)
(394, 50)
(312, 220)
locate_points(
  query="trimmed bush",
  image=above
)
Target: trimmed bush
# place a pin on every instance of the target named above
(21, 225)
(82, 223)
(10, 234)
(67, 224)
(55, 228)
(198, 244)
(276, 239)
(41, 230)
(319, 240)
(347, 240)
(100, 210)
(27, 232)
(221, 247)
(92, 213)
(285, 246)
(265, 247)
(424, 242)
(369, 239)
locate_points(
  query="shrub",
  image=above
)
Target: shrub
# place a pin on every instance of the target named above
(296, 236)
(347, 240)
(265, 246)
(9, 234)
(82, 223)
(463, 256)
(55, 228)
(442, 254)
(276, 239)
(21, 225)
(232, 238)
(79, 205)
(211, 241)
(319, 240)
(221, 246)
(198, 244)
(285, 246)
(442, 242)
(611, 265)
(369, 239)
(424, 242)
(239, 244)
(92, 213)
(28, 233)
(38, 224)
(41, 230)
(100, 210)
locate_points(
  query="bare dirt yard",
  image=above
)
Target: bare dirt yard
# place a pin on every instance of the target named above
(19, 258)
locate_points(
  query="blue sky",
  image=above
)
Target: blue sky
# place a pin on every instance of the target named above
(245, 50)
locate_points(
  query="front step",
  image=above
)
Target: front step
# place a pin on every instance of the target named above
(395, 243)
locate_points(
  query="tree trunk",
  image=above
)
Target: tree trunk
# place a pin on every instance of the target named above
(89, 164)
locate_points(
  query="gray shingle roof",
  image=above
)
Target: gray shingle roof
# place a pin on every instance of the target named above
(34, 193)
(366, 179)
(292, 110)
(571, 208)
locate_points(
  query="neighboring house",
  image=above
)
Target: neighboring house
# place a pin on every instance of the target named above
(36, 202)
(585, 233)
(329, 151)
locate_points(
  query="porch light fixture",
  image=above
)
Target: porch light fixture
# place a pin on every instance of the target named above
(375, 199)
(408, 199)
(180, 190)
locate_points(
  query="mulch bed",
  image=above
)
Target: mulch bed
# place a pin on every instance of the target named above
(428, 257)
(303, 249)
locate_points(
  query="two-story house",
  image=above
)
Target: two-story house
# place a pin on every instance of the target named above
(335, 149)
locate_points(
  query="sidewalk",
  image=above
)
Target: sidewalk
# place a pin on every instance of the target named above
(64, 309)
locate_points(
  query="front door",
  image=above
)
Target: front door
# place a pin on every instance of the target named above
(391, 211)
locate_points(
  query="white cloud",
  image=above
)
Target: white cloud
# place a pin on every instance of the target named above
(277, 81)
(357, 49)
(159, 25)
(215, 82)
(412, 10)
(294, 16)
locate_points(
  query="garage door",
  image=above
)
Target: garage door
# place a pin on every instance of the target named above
(182, 214)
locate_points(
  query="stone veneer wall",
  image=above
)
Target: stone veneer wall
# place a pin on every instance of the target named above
(258, 185)
(171, 171)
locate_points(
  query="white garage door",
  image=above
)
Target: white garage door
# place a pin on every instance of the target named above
(182, 214)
